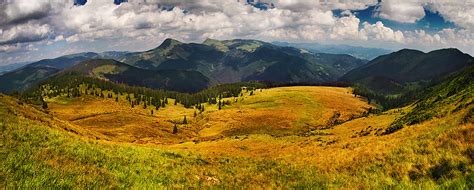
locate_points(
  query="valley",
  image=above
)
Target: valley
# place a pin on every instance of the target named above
(276, 112)
(277, 137)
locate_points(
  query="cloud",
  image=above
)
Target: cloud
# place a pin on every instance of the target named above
(378, 31)
(303, 5)
(459, 12)
(144, 24)
(24, 33)
(401, 11)
(347, 28)
(22, 11)
(9, 48)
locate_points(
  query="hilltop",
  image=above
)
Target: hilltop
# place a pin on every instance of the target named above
(117, 72)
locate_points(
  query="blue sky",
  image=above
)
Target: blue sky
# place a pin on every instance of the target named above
(432, 22)
(33, 30)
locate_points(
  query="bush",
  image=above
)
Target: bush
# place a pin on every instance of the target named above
(393, 128)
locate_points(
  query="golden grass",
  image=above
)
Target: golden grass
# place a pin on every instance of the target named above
(272, 132)
(286, 124)
(119, 122)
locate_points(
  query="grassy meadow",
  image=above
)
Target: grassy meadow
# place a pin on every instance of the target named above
(288, 137)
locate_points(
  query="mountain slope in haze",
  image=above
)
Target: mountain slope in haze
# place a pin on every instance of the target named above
(36, 72)
(30, 74)
(11, 67)
(356, 51)
(114, 71)
(393, 72)
(243, 60)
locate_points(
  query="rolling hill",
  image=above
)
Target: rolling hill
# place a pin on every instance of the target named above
(244, 60)
(117, 72)
(22, 78)
(395, 72)
(31, 74)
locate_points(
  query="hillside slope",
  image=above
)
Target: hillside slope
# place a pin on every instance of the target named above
(79, 143)
(117, 72)
(393, 72)
(454, 94)
(31, 74)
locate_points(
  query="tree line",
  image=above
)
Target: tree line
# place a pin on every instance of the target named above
(75, 85)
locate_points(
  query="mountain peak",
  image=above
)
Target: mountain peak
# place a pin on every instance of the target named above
(210, 41)
(408, 51)
(447, 50)
(169, 43)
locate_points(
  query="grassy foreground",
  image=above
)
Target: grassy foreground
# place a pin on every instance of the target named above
(40, 149)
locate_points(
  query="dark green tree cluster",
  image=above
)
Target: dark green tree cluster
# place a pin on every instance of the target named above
(69, 84)
(386, 101)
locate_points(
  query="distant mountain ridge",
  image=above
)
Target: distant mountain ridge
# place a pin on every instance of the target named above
(356, 51)
(117, 72)
(393, 72)
(11, 67)
(238, 60)
(33, 73)
(27, 76)
(190, 67)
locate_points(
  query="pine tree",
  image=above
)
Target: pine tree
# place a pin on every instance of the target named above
(175, 129)
(185, 121)
(116, 98)
(220, 105)
(195, 114)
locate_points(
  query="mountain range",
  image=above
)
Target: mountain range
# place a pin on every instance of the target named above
(219, 62)
(244, 60)
(11, 67)
(191, 67)
(356, 51)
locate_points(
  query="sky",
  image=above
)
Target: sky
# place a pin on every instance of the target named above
(39, 29)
